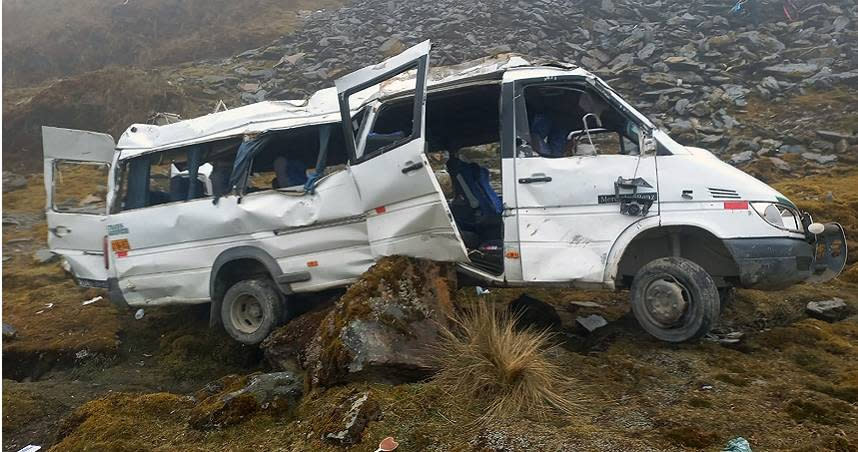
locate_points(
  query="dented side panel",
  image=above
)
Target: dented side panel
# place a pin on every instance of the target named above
(164, 254)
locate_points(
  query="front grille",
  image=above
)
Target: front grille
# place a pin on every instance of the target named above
(723, 193)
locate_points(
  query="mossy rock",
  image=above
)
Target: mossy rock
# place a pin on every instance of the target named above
(232, 399)
(382, 327)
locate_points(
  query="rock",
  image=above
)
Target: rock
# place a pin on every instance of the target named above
(591, 322)
(231, 399)
(534, 313)
(348, 421)
(793, 70)
(819, 158)
(658, 79)
(249, 87)
(828, 310)
(780, 164)
(12, 182)
(291, 59)
(381, 328)
(44, 256)
(9, 331)
(286, 347)
(741, 157)
(646, 51)
(391, 47)
(681, 106)
(792, 148)
(835, 137)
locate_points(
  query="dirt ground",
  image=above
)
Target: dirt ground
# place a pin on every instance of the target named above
(791, 383)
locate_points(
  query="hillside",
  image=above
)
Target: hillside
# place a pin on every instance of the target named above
(772, 91)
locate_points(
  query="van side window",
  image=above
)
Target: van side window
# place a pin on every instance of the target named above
(288, 159)
(175, 175)
(79, 187)
(564, 120)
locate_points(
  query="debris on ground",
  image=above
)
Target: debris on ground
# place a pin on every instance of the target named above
(9, 331)
(387, 445)
(92, 300)
(831, 310)
(737, 444)
(348, 421)
(591, 322)
(139, 314)
(44, 256)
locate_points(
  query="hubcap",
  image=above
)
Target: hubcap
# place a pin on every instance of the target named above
(247, 314)
(666, 301)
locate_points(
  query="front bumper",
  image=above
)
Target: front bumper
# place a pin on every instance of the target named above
(778, 262)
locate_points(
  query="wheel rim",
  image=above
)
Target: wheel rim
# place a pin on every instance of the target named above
(666, 302)
(247, 314)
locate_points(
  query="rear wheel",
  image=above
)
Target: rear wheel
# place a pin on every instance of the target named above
(675, 299)
(251, 309)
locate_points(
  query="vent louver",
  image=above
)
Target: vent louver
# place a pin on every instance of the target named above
(723, 193)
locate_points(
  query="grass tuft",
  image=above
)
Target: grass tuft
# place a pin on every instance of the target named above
(484, 360)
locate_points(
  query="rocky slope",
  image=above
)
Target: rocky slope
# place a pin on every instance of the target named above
(773, 94)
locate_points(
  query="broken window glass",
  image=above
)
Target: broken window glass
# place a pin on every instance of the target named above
(80, 187)
(562, 120)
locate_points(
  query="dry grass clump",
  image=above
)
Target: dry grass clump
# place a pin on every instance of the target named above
(484, 359)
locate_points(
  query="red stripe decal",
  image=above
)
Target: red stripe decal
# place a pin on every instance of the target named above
(736, 205)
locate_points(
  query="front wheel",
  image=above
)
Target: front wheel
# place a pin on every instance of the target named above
(251, 309)
(675, 299)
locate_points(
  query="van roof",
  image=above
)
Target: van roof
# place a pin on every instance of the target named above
(320, 108)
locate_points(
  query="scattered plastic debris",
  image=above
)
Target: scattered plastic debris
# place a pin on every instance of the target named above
(482, 291)
(737, 444)
(706, 388)
(139, 314)
(387, 444)
(92, 300)
(47, 307)
(9, 331)
(82, 354)
(30, 448)
(591, 322)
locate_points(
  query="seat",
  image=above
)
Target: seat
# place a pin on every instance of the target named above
(476, 207)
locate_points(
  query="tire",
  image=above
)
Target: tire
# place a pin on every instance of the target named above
(251, 309)
(674, 299)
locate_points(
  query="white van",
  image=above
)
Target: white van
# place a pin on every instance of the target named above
(554, 180)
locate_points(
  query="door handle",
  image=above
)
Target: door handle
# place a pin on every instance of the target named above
(412, 167)
(60, 231)
(534, 178)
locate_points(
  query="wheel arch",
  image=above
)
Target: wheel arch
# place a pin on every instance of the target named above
(649, 240)
(235, 264)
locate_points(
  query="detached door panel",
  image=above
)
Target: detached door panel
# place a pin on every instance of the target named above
(76, 168)
(407, 213)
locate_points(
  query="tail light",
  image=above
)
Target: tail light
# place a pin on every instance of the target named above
(106, 256)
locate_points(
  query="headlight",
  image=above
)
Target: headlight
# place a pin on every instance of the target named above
(779, 215)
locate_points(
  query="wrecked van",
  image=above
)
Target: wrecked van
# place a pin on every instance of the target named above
(523, 174)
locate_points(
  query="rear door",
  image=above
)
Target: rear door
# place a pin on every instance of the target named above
(407, 213)
(77, 167)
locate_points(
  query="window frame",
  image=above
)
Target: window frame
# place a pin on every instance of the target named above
(54, 168)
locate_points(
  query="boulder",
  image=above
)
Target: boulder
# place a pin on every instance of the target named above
(232, 399)
(381, 329)
(286, 347)
(831, 310)
(347, 422)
